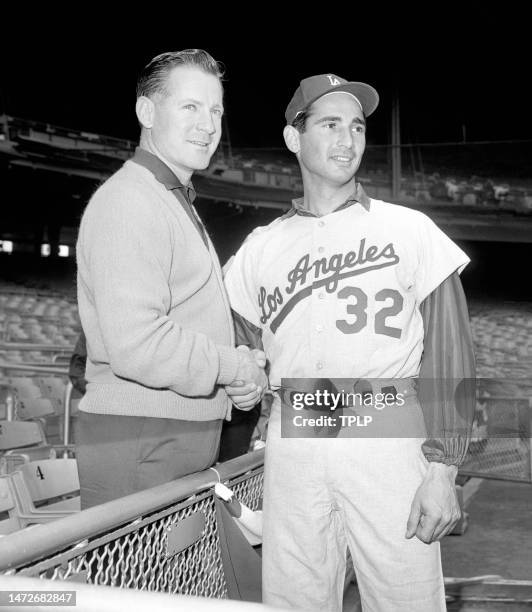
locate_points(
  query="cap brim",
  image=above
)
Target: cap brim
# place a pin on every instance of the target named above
(364, 93)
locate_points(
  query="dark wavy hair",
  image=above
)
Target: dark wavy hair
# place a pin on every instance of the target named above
(300, 121)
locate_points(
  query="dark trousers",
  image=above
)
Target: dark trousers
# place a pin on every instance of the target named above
(236, 433)
(120, 455)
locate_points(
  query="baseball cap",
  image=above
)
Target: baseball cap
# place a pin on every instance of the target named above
(314, 87)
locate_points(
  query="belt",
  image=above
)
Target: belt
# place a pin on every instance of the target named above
(395, 386)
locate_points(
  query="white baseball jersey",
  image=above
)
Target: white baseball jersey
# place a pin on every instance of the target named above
(339, 295)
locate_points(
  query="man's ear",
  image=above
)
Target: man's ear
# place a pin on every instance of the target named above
(145, 111)
(292, 138)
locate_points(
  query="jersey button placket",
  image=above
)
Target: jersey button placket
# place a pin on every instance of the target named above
(320, 308)
(319, 238)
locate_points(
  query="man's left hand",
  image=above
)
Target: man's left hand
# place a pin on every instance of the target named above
(435, 509)
(244, 395)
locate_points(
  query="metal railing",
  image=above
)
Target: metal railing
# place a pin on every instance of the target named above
(126, 542)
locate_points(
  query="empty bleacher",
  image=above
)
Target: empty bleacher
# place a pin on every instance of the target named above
(38, 474)
(503, 339)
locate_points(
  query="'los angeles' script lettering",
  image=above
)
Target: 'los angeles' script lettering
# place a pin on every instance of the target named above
(328, 270)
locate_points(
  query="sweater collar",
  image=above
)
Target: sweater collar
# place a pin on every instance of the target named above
(162, 173)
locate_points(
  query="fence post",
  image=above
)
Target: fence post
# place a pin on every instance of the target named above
(66, 429)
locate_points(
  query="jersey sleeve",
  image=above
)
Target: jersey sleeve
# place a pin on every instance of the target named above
(438, 256)
(241, 286)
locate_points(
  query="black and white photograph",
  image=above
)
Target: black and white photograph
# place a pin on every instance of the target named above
(265, 322)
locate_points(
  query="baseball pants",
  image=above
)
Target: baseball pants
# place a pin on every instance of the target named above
(322, 495)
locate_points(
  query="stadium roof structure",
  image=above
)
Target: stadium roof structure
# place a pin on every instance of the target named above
(50, 148)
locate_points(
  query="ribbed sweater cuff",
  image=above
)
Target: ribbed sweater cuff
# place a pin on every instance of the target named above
(228, 365)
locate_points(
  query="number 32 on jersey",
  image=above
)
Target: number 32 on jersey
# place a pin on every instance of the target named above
(357, 304)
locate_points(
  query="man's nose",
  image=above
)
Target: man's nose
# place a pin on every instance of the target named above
(206, 123)
(345, 138)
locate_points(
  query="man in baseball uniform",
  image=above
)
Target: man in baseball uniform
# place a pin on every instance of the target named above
(346, 286)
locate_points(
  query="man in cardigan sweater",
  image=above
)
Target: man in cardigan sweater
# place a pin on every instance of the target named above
(151, 298)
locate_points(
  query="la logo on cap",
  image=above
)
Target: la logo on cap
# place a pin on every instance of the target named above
(333, 80)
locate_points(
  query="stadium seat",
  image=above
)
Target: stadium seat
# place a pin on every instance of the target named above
(12, 460)
(52, 387)
(35, 408)
(18, 434)
(24, 386)
(9, 519)
(20, 508)
(51, 479)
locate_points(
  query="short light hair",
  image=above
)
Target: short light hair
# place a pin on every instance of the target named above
(154, 75)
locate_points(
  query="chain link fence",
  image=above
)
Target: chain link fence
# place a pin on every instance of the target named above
(136, 553)
(500, 444)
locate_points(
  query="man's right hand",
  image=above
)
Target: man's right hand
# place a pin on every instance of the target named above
(250, 366)
(251, 381)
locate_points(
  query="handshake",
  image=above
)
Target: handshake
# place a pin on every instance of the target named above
(251, 381)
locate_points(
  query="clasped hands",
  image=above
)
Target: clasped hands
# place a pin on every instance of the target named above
(250, 381)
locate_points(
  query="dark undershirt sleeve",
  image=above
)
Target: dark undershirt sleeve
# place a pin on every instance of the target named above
(447, 375)
(246, 333)
(77, 365)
